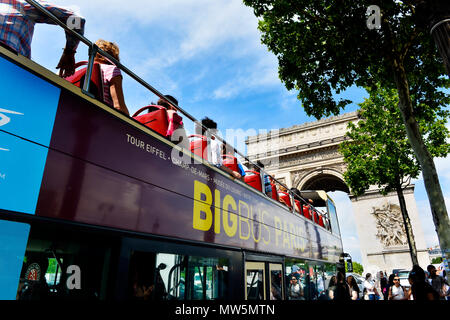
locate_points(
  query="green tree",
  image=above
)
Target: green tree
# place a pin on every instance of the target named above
(357, 268)
(324, 47)
(378, 152)
(436, 260)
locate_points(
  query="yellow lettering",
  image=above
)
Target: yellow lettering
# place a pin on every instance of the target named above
(227, 202)
(293, 237)
(285, 235)
(217, 211)
(267, 228)
(202, 206)
(278, 229)
(243, 220)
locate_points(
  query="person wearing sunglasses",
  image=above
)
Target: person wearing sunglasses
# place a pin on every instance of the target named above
(397, 292)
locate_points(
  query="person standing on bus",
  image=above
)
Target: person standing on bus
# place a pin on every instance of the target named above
(17, 20)
(112, 77)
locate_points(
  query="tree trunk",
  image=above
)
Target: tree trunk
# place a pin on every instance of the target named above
(408, 227)
(431, 180)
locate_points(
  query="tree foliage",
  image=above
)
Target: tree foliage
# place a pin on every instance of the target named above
(324, 47)
(378, 152)
(357, 268)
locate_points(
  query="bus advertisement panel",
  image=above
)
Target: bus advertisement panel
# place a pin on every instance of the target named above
(103, 168)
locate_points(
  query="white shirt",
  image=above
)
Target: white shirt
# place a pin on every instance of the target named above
(397, 293)
(216, 152)
(369, 285)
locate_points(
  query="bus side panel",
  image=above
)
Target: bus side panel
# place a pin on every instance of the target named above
(80, 191)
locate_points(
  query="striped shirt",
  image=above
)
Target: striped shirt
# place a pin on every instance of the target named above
(17, 20)
(109, 71)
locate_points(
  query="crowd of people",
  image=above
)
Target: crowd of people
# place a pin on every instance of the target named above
(423, 286)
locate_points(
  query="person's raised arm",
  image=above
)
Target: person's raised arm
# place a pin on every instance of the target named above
(67, 62)
(117, 95)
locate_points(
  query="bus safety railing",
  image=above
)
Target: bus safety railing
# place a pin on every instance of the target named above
(94, 50)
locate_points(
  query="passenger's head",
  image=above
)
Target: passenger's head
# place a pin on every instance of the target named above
(110, 48)
(311, 201)
(165, 102)
(206, 123)
(368, 276)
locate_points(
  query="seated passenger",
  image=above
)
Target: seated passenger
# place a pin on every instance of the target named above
(230, 151)
(216, 148)
(112, 77)
(267, 186)
(282, 189)
(175, 121)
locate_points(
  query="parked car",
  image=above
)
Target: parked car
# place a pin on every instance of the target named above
(403, 275)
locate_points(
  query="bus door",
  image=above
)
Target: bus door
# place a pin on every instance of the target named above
(264, 280)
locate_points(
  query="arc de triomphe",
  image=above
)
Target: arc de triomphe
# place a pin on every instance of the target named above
(306, 157)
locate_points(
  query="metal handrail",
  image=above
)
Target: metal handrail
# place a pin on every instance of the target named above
(94, 49)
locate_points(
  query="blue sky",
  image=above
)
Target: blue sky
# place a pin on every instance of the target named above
(209, 56)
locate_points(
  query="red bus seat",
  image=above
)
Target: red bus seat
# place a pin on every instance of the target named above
(274, 191)
(307, 211)
(253, 179)
(316, 216)
(321, 223)
(199, 146)
(298, 205)
(230, 162)
(155, 119)
(96, 85)
(286, 198)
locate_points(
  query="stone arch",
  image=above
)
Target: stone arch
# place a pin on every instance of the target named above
(326, 179)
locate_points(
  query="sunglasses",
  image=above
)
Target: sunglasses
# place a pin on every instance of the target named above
(396, 279)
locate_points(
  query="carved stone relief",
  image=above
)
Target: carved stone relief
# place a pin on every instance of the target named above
(389, 224)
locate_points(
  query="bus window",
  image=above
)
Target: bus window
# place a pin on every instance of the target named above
(149, 275)
(333, 218)
(276, 283)
(297, 275)
(208, 278)
(255, 278)
(163, 276)
(65, 265)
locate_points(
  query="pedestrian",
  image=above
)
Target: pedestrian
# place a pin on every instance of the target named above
(17, 27)
(420, 289)
(342, 292)
(396, 291)
(331, 287)
(353, 288)
(371, 290)
(384, 285)
(437, 282)
(295, 290)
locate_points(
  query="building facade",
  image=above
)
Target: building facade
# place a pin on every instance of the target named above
(307, 157)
